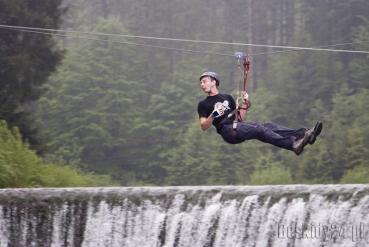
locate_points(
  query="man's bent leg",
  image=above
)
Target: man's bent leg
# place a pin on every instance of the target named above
(285, 131)
(265, 133)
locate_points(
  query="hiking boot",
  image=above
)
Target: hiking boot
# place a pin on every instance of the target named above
(316, 131)
(298, 145)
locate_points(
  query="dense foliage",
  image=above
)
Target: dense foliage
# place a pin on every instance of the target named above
(21, 167)
(26, 61)
(130, 111)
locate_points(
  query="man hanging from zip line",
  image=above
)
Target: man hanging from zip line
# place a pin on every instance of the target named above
(220, 110)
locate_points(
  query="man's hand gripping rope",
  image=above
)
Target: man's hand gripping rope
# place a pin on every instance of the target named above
(246, 103)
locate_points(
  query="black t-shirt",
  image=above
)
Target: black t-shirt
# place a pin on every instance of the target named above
(206, 107)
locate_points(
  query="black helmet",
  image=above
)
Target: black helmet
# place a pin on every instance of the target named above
(213, 75)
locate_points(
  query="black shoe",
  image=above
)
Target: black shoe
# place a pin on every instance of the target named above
(298, 145)
(317, 129)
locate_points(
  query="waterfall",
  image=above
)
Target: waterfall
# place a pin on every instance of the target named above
(282, 215)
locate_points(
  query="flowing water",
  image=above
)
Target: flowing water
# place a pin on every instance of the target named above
(291, 215)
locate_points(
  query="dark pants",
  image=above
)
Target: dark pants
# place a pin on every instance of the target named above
(272, 133)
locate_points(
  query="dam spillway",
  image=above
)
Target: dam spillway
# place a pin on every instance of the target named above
(280, 215)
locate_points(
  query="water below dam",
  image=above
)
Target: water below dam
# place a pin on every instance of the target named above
(255, 216)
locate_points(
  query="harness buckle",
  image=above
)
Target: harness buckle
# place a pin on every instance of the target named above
(235, 125)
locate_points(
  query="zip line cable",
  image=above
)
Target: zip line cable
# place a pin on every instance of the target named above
(289, 48)
(126, 43)
(185, 40)
(319, 48)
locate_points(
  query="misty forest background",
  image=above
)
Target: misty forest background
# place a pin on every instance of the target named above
(79, 112)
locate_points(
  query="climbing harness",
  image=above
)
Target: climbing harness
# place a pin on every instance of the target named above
(245, 60)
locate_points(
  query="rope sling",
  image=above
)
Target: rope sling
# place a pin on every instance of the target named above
(245, 60)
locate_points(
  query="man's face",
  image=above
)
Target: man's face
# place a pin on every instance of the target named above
(207, 84)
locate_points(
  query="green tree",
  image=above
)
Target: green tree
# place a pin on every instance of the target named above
(271, 175)
(155, 138)
(92, 110)
(21, 167)
(358, 175)
(359, 66)
(345, 144)
(27, 59)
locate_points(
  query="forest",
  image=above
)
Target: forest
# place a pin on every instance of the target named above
(122, 110)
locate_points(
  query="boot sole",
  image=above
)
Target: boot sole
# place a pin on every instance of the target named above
(317, 130)
(300, 149)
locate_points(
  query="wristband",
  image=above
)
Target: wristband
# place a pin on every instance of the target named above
(214, 115)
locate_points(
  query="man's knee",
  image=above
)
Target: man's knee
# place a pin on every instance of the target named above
(261, 131)
(268, 125)
(231, 138)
